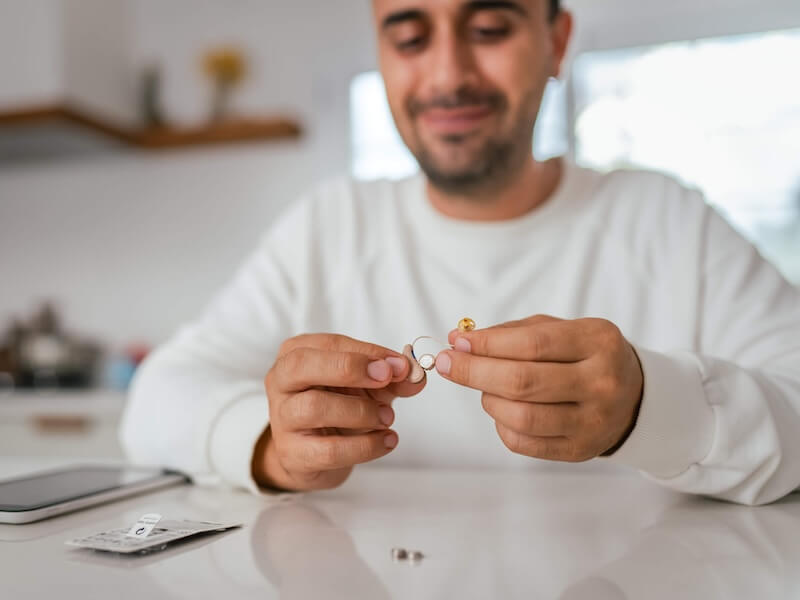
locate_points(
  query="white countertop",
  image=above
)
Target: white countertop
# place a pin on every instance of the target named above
(569, 534)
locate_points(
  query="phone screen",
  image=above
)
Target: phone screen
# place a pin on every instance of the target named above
(46, 489)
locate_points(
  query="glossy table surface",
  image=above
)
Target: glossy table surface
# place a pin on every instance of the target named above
(571, 533)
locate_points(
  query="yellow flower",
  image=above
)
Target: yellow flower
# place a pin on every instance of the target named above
(226, 65)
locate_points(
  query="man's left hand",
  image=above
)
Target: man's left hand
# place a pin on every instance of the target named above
(557, 390)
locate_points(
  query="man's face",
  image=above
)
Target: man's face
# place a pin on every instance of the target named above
(465, 80)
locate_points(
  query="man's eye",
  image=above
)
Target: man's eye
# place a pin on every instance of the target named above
(490, 33)
(410, 43)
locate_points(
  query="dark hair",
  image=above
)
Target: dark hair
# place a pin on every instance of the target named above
(555, 8)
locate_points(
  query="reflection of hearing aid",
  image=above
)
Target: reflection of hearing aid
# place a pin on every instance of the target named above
(303, 553)
(421, 353)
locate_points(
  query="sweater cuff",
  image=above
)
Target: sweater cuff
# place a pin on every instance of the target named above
(233, 441)
(675, 427)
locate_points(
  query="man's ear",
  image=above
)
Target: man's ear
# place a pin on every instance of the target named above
(561, 33)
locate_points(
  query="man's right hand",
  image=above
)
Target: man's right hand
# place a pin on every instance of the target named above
(330, 408)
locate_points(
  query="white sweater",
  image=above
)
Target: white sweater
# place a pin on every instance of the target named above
(717, 329)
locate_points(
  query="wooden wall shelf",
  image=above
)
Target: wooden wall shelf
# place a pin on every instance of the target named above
(229, 131)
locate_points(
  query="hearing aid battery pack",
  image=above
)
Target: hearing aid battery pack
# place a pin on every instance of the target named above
(120, 541)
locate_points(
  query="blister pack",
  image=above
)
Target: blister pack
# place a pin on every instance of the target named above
(149, 534)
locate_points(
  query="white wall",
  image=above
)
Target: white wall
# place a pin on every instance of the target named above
(303, 55)
(30, 52)
(97, 36)
(133, 244)
(130, 246)
(174, 35)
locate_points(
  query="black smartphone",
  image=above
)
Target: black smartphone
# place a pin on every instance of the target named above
(50, 493)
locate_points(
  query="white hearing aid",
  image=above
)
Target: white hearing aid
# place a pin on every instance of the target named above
(422, 352)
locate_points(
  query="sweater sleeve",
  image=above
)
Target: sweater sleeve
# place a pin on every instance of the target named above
(723, 419)
(198, 403)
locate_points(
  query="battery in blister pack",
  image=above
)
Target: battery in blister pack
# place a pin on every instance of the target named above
(146, 537)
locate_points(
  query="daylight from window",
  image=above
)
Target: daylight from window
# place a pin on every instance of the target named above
(722, 115)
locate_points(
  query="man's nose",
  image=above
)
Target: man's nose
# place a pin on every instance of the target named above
(453, 65)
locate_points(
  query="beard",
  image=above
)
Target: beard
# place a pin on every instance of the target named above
(473, 163)
(486, 167)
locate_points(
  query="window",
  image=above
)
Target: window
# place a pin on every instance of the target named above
(377, 150)
(720, 114)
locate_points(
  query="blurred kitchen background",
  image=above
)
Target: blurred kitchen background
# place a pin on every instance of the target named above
(146, 144)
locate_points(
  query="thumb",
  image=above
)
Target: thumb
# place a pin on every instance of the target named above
(405, 389)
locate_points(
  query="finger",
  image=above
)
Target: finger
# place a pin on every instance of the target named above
(385, 395)
(314, 453)
(317, 409)
(535, 319)
(402, 389)
(303, 368)
(390, 393)
(336, 343)
(552, 341)
(531, 419)
(512, 379)
(532, 320)
(547, 448)
(405, 389)
(343, 343)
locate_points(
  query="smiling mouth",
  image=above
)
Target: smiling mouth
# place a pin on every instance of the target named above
(456, 120)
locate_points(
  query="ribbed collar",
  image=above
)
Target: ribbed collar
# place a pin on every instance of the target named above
(429, 220)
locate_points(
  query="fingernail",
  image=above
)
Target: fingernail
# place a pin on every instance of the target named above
(462, 345)
(443, 363)
(379, 370)
(398, 365)
(386, 415)
(390, 440)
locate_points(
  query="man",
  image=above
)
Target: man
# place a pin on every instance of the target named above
(674, 348)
